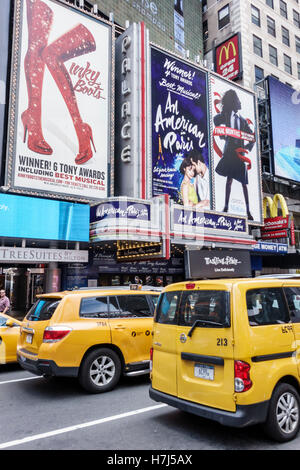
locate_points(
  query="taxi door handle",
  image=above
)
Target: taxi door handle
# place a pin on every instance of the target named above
(119, 327)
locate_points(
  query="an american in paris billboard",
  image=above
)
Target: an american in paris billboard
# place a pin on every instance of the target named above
(180, 139)
(60, 112)
(228, 58)
(284, 101)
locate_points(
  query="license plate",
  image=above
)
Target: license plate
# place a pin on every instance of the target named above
(29, 339)
(202, 371)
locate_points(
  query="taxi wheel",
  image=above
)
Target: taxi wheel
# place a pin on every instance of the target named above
(100, 371)
(284, 413)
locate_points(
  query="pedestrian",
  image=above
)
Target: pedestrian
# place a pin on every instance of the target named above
(4, 302)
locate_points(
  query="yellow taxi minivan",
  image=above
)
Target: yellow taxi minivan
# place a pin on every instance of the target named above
(9, 335)
(95, 335)
(229, 350)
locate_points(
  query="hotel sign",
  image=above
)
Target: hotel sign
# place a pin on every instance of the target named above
(10, 254)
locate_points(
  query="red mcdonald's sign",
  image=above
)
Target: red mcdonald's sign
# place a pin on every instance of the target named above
(228, 58)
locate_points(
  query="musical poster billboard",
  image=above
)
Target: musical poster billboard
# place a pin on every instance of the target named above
(236, 166)
(60, 112)
(180, 142)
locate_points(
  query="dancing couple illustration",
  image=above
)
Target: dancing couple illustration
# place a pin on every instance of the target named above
(74, 43)
(234, 165)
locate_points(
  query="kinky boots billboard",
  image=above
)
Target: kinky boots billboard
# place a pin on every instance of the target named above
(60, 121)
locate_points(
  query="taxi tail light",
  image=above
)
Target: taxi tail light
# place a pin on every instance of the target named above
(151, 359)
(52, 334)
(242, 381)
(190, 285)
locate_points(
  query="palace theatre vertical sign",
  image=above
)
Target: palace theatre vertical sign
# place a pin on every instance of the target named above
(228, 58)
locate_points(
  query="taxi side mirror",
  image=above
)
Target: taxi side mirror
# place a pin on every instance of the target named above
(10, 323)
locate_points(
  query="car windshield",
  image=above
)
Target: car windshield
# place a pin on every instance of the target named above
(43, 309)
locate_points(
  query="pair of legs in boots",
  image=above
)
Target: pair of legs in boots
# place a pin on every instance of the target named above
(74, 43)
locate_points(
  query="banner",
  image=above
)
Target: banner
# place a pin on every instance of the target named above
(237, 176)
(60, 105)
(180, 152)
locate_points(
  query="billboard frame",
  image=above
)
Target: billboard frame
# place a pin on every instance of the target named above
(259, 168)
(150, 153)
(15, 66)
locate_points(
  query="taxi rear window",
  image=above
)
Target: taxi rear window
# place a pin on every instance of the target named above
(205, 309)
(43, 309)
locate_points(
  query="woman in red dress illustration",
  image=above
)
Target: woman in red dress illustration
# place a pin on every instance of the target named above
(74, 43)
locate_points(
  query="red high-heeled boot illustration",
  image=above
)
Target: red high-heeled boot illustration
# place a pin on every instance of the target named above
(39, 20)
(74, 43)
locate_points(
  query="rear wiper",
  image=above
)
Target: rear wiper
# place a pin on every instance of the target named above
(204, 322)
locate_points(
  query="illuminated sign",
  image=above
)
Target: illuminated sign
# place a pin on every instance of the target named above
(135, 250)
(228, 58)
(273, 206)
(275, 226)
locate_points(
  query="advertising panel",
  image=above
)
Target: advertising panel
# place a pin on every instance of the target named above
(284, 101)
(28, 217)
(4, 41)
(180, 150)
(228, 58)
(212, 264)
(236, 167)
(60, 119)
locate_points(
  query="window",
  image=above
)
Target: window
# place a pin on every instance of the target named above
(296, 18)
(293, 299)
(134, 306)
(271, 26)
(94, 307)
(3, 321)
(43, 309)
(208, 308)
(205, 30)
(297, 40)
(266, 307)
(257, 46)
(285, 36)
(259, 73)
(255, 15)
(270, 3)
(224, 16)
(273, 55)
(167, 308)
(298, 70)
(283, 9)
(287, 64)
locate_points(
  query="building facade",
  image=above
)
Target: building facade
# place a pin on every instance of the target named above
(270, 36)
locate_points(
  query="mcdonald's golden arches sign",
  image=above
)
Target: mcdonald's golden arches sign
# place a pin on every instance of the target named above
(228, 58)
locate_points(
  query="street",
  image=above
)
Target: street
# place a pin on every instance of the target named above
(56, 414)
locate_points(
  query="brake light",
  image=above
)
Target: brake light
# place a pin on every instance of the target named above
(52, 334)
(151, 359)
(190, 285)
(242, 381)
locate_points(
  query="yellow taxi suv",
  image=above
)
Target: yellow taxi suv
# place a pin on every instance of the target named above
(9, 335)
(229, 350)
(94, 335)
